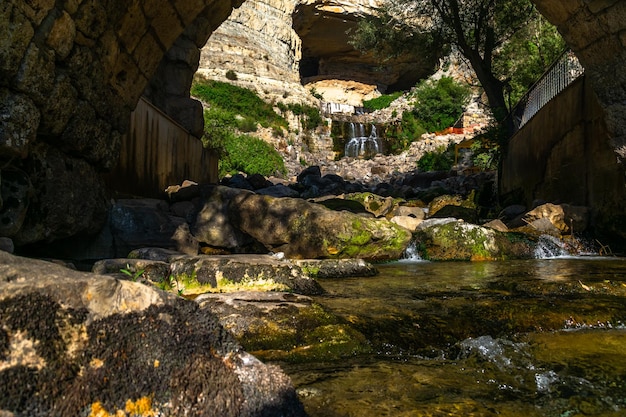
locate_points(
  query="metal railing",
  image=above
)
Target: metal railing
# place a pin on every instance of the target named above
(562, 73)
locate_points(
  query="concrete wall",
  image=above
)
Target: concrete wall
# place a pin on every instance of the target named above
(563, 155)
(157, 152)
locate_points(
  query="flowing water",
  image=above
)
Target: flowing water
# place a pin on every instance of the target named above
(361, 145)
(521, 338)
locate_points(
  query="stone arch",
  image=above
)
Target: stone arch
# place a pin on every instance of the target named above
(71, 71)
(596, 32)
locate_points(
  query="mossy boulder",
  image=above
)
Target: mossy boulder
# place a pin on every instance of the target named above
(452, 239)
(302, 230)
(285, 327)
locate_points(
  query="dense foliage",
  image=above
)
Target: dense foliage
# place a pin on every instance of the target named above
(527, 55)
(381, 102)
(487, 33)
(439, 104)
(440, 160)
(242, 103)
(245, 153)
(400, 136)
(232, 110)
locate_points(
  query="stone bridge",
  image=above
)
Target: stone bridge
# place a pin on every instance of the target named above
(71, 71)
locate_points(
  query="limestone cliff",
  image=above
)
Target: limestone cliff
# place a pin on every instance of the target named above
(283, 48)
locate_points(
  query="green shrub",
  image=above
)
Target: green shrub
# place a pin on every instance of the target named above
(310, 116)
(439, 160)
(251, 155)
(246, 124)
(440, 103)
(381, 102)
(401, 136)
(237, 100)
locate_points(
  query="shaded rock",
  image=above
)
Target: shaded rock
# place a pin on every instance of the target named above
(155, 254)
(68, 197)
(140, 270)
(213, 224)
(16, 191)
(284, 326)
(468, 214)
(185, 242)
(18, 122)
(258, 181)
(340, 203)
(511, 212)
(313, 171)
(449, 200)
(86, 338)
(457, 240)
(137, 223)
(6, 244)
(336, 268)
(305, 230)
(278, 190)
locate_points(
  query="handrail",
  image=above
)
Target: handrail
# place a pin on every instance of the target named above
(561, 73)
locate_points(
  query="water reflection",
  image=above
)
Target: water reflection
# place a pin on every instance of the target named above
(478, 339)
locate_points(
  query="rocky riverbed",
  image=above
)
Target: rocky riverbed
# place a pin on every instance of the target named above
(180, 284)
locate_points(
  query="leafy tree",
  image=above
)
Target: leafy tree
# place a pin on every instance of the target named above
(527, 55)
(440, 103)
(478, 29)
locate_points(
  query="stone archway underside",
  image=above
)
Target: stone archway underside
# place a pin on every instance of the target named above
(71, 71)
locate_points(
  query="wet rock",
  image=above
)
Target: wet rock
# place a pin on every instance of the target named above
(155, 254)
(284, 326)
(87, 335)
(336, 268)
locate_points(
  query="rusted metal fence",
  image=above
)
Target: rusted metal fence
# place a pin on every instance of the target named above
(157, 152)
(562, 73)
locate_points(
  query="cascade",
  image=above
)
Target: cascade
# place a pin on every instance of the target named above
(361, 146)
(411, 254)
(550, 247)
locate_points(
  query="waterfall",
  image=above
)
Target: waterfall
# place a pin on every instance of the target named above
(361, 146)
(411, 254)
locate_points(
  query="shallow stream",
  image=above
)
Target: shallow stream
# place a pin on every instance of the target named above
(519, 338)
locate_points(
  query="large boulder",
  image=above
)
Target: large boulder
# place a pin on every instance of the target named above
(306, 230)
(74, 343)
(455, 240)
